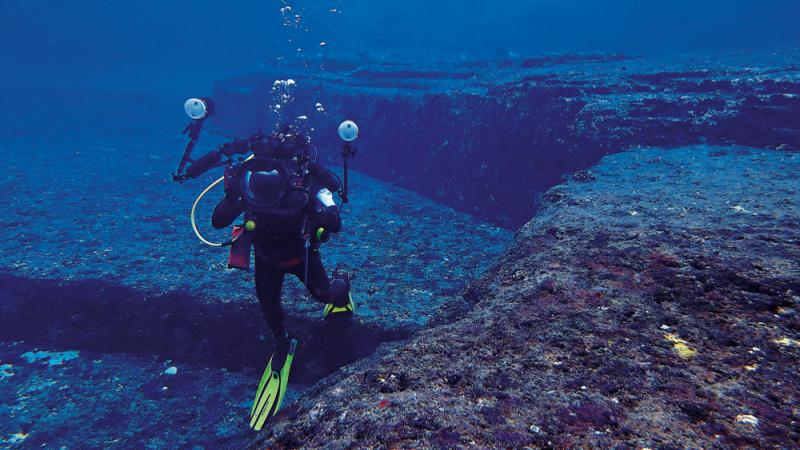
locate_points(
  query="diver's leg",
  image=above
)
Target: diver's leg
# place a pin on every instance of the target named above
(318, 282)
(335, 294)
(274, 381)
(269, 282)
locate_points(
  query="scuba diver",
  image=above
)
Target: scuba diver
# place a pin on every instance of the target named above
(286, 198)
(287, 201)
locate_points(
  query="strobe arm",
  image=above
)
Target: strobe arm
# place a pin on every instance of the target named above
(202, 165)
(348, 131)
(198, 109)
(213, 158)
(193, 130)
(348, 151)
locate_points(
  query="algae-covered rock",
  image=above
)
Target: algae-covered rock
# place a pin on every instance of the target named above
(667, 329)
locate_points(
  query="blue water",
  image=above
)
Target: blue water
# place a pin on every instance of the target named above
(52, 37)
(104, 286)
(113, 60)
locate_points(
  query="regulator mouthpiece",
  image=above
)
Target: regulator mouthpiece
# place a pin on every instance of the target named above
(348, 131)
(198, 108)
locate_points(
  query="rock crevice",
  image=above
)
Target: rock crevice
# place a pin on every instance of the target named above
(656, 306)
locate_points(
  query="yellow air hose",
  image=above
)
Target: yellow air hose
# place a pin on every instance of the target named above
(194, 208)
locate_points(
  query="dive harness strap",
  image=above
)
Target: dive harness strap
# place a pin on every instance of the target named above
(193, 131)
(348, 151)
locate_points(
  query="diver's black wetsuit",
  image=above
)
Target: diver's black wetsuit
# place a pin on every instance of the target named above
(270, 272)
(279, 253)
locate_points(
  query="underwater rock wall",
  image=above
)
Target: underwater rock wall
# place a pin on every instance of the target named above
(489, 137)
(113, 315)
(655, 306)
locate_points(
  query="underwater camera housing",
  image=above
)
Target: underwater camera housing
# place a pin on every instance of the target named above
(266, 183)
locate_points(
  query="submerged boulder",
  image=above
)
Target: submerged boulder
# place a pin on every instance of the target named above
(599, 328)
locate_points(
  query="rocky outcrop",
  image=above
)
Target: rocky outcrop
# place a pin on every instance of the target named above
(113, 315)
(489, 137)
(652, 302)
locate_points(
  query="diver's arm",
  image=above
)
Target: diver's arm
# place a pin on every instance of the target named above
(227, 211)
(229, 208)
(327, 211)
(325, 177)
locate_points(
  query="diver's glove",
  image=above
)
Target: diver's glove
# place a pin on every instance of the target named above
(322, 235)
(231, 181)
